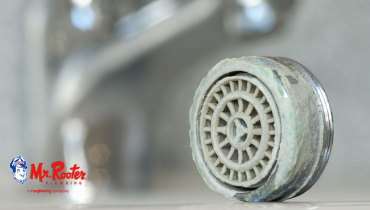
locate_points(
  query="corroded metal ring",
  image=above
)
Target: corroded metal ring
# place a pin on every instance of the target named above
(261, 129)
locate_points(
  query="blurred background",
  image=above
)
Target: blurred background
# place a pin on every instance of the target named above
(108, 84)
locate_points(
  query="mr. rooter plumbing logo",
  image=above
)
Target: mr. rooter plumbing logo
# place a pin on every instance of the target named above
(57, 176)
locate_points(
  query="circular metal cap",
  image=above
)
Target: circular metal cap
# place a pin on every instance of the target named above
(261, 129)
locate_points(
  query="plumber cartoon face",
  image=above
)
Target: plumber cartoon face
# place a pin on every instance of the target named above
(19, 167)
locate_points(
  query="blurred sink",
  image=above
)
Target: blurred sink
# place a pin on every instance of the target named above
(114, 82)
